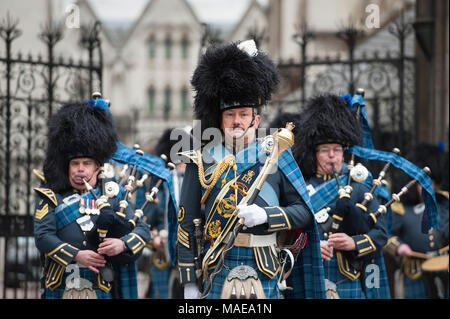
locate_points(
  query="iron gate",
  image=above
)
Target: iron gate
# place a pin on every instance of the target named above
(388, 77)
(31, 89)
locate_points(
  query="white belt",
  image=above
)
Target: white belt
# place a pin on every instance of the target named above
(250, 240)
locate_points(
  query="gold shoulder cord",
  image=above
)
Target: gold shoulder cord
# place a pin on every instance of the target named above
(226, 163)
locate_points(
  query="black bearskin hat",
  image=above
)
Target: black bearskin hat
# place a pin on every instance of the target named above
(229, 77)
(165, 143)
(422, 155)
(283, 118)
(428, 155)
(77, 130)
(327, 118)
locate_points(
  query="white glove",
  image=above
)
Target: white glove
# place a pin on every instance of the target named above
(191, 291)
(253, 215)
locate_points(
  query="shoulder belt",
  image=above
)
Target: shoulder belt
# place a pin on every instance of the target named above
(398, 208)
(48, 193)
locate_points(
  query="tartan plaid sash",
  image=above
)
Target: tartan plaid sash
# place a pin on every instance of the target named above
(66, 214)
(363, 121)
(308, 268)
(253, 154)
(431, 218)
(367, 151)
(310, 262)
(221, 214)
(292, 172)
(126, 278)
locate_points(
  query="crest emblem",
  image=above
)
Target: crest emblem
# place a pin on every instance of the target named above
(227, 206)
(214, 229)
(181, 213)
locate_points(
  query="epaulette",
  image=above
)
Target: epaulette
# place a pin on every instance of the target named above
(443, 193)
(47, 192)
(398, 208)
(39, 174)
(193, 155)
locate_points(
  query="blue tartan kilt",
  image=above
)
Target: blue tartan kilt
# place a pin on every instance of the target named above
(414, 289)
(382, 291)
(160, 283)
(348, 289)
(239, 256)
(84, 273)
(301, 277)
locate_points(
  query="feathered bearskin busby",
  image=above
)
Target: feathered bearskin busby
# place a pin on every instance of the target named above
(283, 118)
(422, 155)
(428, 155)
(326, 118)
(230, 76)
(77, 130)
(179, 138)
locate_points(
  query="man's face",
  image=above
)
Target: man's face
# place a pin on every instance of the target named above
(328, 154)
(83, 168)
(236, 125)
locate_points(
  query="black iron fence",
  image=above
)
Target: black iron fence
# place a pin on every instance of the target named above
(31, 89)
(386, 74)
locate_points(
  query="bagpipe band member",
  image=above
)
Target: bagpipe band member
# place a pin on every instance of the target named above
(327, 127)
(164, 276)
(151, 189)
(232, 82)
(150, 182)
(408, 243)
(81, 138)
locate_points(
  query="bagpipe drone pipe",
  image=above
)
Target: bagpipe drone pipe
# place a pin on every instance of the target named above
(355, 217)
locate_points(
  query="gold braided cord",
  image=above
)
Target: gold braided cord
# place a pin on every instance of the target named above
(225, 163)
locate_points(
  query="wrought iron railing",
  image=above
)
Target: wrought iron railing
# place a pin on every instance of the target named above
(31, 89)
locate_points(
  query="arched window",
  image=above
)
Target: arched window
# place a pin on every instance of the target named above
(185, 47)
(151, 100)
(152, 46)
(168, 47)
(184, 100)
(167, 102)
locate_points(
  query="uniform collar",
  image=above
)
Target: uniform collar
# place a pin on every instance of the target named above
(74, 190)
(324, 176)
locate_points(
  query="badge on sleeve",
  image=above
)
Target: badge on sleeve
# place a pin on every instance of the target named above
(181, 214)
(40, 213)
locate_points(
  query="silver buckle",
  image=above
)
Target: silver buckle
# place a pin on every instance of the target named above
(85, 223)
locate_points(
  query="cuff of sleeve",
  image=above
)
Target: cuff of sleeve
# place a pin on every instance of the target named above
(187, 273)
(364, 245)
(277, 219)
(134, 242)
(183, 237)
(63, 254)
(392, 245)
